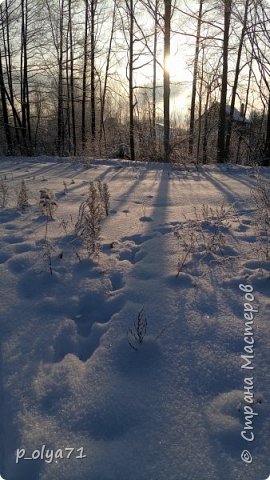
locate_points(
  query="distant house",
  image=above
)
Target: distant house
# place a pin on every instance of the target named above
(238, 117)
(160, 130)
(208, 123)
(212, 114)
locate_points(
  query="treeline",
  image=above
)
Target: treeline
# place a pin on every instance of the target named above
(81, 77)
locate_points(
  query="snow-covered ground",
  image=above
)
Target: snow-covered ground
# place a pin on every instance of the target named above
(173, 407)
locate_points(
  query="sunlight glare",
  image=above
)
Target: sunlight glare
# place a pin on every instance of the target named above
(168, 64)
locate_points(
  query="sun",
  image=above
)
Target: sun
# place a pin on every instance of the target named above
(176, 66)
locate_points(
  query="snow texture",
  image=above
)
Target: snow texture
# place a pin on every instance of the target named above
(173, 409)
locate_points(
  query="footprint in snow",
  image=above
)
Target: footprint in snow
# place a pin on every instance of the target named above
(23, 248)
(12, 239)
(117, 281)
(4, 257)
(146, 219)
(96, 307)
(19, 264)
(166, 228)
(138, 239)
(81, 335)
(10, 226)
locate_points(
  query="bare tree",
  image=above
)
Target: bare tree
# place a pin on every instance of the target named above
(260, 48)
(93, 5)
(166, 92)
(25, 100)
(195, 78)
(84, 77)
(4, 109)
(236, 79)
(221, 150)
(72, 95)
(60, 110)
(106, 74)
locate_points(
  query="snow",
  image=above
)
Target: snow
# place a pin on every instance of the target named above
(173, 408)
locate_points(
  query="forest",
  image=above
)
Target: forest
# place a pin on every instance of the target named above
(153, 80)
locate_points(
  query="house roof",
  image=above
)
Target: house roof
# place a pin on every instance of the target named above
(237, 117)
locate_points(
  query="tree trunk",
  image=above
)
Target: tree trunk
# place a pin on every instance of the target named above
(194, 82)
(266, 160)
(200, 111)
(22, 71)
(92, 71)
(60, 113)
(205, 130)
(5, 110)
(131, 87)
(166, 78)
(72, 95)
(236, 78)
(25, 101)
(103, 96)
(84, 79)
(7, 51)
(9, 96)
(154, 94)
(66, 96)
(221, 149)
